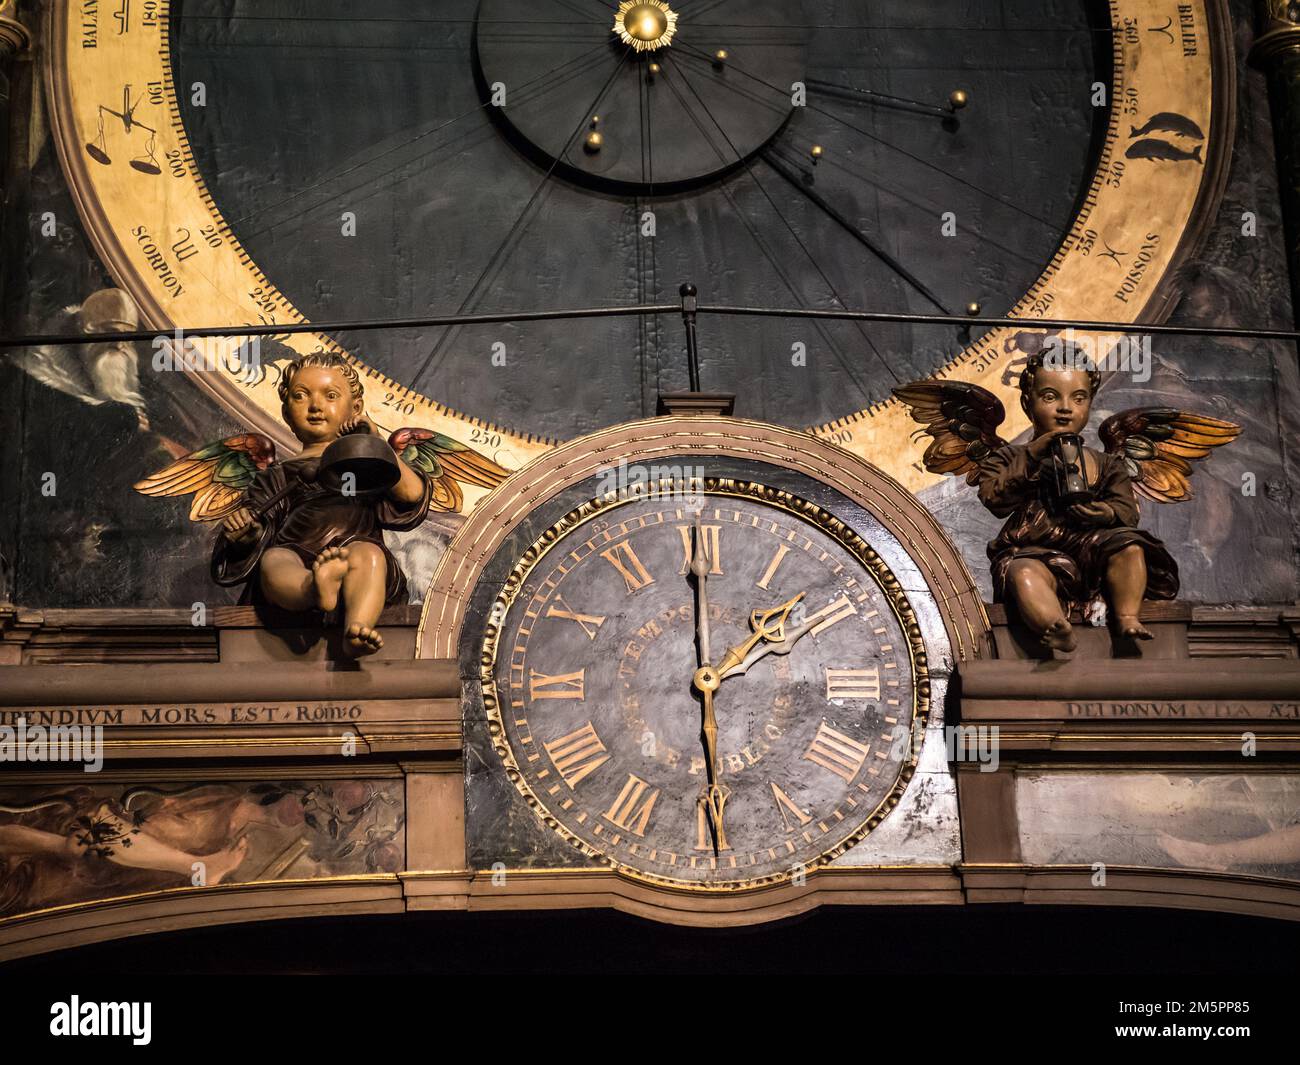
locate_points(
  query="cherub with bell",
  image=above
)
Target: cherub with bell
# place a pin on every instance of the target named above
(306, 533)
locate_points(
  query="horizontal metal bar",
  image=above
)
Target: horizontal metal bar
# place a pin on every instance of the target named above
(368, 325)
(505, 317)
(1022, 323)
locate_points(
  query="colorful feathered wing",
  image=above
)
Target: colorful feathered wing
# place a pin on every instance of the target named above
(963, 420)
(448, 463)
(1157, 444)
(218, 475)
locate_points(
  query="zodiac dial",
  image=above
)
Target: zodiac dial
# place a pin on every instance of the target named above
(714, 689)
(334, 162)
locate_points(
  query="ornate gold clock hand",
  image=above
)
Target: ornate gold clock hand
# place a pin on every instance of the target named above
(715, 795)
(782, 648)
(701, 563)
(768, 625)
(706, 679)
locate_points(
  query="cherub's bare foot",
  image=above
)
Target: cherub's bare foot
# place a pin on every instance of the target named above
(1060, 636)
(328, 571)
(223, 863)
(363, 640)
(1129, 625)
(1192, 855)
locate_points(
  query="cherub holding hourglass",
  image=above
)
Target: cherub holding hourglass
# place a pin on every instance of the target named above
(1071, 534)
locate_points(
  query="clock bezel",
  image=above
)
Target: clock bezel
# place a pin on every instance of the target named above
(752, 491)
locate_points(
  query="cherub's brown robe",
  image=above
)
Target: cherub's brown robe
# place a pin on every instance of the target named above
(1012, 484)
(310, 519)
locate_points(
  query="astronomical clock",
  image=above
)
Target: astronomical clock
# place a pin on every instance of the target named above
(235, 166)
(645, 604)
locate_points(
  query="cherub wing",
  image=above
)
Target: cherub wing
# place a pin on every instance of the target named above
(448, 463)
(219, 475)
(962, 418)
(1157, 444)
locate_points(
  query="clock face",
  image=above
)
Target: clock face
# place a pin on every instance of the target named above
(290, 162)
(595, 675)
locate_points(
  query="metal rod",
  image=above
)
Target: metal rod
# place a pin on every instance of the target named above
(966, 321)
(689, 309)
(339, 327)
(961, 321)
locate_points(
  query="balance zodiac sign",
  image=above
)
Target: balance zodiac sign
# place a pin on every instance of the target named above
(98, 148)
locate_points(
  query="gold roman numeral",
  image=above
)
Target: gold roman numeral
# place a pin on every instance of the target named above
(577, 754)
(831, 613)
(703, 836)
(785, 803)
(712, 547)
(631, 810)
(560, 686)
(623, 558)
(772, 566)
(590, 624)
(853, 683)
(837, 752)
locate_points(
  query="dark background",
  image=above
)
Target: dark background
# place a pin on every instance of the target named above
(887, 941)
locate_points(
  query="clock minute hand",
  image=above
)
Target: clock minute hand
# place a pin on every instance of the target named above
(701, 563)
(706, 680)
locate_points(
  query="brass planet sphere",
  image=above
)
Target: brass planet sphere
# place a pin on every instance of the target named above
(972, 309)
(646, 22)
(816, 151)
(646, 25)
(958, 99)
(594, 142)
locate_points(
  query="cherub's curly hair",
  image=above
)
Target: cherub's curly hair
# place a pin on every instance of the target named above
(1071, 357)
(326, 360)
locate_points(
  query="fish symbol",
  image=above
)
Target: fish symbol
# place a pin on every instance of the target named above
(1170, 122)
(1158, 149)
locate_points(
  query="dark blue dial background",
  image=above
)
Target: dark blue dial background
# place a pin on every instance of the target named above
(314, 109)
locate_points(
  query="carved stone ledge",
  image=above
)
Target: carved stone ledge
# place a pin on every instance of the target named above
(243, 709)
(1182, 630)
(1085, 705)
(232, 633)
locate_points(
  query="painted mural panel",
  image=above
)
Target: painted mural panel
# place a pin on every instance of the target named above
(1216, 821)
(70, 844)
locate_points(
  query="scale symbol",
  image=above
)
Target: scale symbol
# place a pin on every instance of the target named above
(146, 163)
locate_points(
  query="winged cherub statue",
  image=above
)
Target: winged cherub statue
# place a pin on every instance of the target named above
(1054, 553)
(295, 540)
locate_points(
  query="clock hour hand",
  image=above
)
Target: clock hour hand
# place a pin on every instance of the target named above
(782, 648)
(768, 625)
